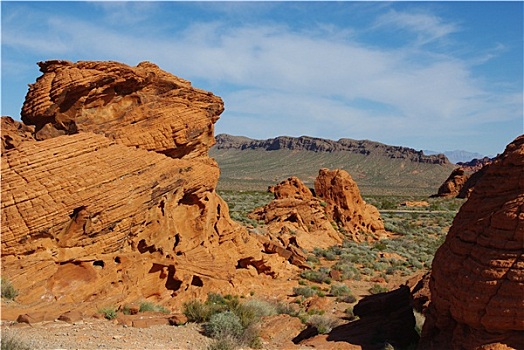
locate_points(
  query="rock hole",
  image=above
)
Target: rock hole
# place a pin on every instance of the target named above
(117, 260)
(76, 211)
(99, 263)
(143, 247)
(197, 281)
(177, 240)
(162, 206)
(172, 283)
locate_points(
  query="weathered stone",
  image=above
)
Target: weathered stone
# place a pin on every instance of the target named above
(344, 205)
(477, 277)
(116, 202)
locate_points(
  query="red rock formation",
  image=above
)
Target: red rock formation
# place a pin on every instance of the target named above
(117, 200)
(345, 206)
(477, 278)
(453, 184)
(297, 219)
(14, 132)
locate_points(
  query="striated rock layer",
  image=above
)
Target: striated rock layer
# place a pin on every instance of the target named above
(297, 218)
(116, 200)
(477, 278)
(345, 206)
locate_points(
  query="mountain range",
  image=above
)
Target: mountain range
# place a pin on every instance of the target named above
(248, 164)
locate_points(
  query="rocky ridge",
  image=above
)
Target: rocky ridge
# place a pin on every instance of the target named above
(477, 278)
(314, 144)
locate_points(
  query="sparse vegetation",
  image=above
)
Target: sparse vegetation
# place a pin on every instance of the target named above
(324, 324)
(9, 292)
(228, 321)
(10, 342)
(109, 313)
(377, 289)
(149, 306)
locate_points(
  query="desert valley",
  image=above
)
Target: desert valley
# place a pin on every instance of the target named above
(128, 224)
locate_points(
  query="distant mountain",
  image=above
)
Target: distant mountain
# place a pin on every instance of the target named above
(458, 155)
(306, 143)
(378, 169)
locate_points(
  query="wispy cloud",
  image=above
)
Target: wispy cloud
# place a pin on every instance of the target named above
(279, 80)
(425, 26)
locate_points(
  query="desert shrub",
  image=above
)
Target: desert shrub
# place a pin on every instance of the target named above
(222, 325)
(149, 306)
(10, 342)
(350, 315)
(108, 312)
(261, 308)
(338, 290)
(377, 289)
(287, 309)
(196, 311)
(323, 324)
(9, 292)
(304, 291)
(226, 343)
(319, 276)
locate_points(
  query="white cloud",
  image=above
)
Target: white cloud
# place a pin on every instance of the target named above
(427, 27)
(276, 80)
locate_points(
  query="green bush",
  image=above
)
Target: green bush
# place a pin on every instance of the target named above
(377, 289)
(222, 325)
(9, 292)
(108, 312)
(304, 291)
(323, 324)
(9, 342)
(261, 308)
(338, 290)
(149, 306)
(226, 343)
(196, 311)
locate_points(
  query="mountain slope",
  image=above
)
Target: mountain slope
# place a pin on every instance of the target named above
(248, 164)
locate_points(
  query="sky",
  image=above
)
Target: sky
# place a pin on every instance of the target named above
(436, 76)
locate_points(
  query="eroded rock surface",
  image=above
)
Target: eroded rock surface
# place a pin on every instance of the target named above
(116, 200)
(344, 205)
(477, 278)
(297, 218)
(453, 184)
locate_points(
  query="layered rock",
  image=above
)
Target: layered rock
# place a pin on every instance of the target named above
(477, 278)
(296, 219)
(14, 133)
(453, 184)
(116, 200)
(345, 206)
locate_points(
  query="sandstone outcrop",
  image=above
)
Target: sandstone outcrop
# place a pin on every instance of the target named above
(344, 206)
(297, 218)
(14, 133)
(477, 278)
(453, 184)
(116, 201)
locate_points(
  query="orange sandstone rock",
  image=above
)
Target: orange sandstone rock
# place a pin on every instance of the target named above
(477, 278)
(345, 206)
(116, 200)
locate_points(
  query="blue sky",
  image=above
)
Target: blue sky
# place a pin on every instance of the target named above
(427, 75)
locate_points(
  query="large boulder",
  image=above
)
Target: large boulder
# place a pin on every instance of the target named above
(453, 184)
(344, 206)
(295, 218)
(111, 197)
(477, 277)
